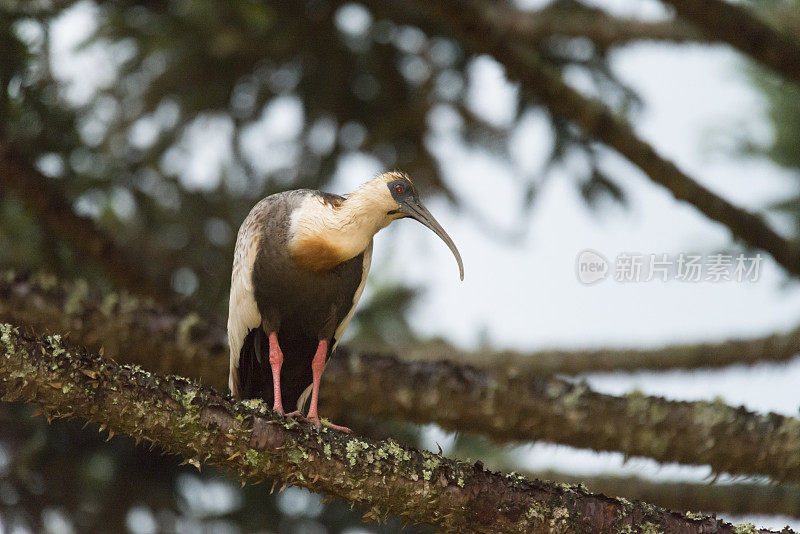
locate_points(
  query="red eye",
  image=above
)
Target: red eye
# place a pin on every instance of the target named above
(399, 188)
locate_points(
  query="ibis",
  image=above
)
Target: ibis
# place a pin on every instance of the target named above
(299, 267)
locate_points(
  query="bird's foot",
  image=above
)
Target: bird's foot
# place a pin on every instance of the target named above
(319, 423)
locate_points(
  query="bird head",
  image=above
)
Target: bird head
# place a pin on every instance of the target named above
(397, 195)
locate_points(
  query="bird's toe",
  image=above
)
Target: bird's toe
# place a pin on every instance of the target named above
(316, 421)
(340, 428)
(328, 424)
(319, 423)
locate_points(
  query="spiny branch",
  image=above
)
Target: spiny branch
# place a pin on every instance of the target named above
(203, 426)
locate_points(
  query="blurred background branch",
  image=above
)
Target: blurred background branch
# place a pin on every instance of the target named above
(461, 398)
(457, 397)
(53, 211)
(737, 498)
(177, 339)
(742, 28)
(776, 347)
(581, 21)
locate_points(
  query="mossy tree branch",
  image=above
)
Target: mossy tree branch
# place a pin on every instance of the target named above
(171, 339)
(742, 498)
(457, 397)
(203, 426)
(775, 347)
(463, 398)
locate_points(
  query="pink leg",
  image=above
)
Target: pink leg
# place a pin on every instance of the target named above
(317, 366)
(275, 361)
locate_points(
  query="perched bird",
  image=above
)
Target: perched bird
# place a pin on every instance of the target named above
(299, 268)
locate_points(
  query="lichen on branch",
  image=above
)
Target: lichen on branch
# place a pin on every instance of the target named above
(206, 427)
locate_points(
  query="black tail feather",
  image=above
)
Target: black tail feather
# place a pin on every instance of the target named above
(255, 373)
(255, 378)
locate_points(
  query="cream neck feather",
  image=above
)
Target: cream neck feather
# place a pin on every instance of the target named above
(324, 235)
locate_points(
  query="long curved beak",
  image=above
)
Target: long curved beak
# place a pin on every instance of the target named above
(414, 208)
